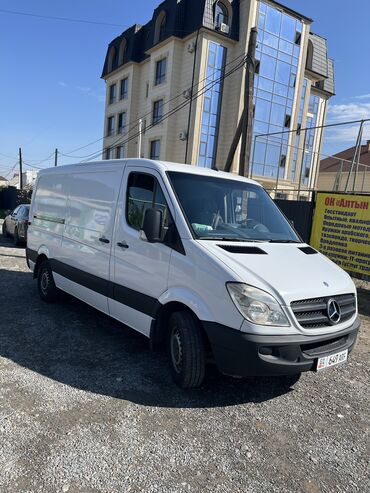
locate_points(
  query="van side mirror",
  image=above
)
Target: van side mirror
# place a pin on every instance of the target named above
(152, 225)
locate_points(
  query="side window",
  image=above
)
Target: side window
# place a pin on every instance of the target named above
(144, 192)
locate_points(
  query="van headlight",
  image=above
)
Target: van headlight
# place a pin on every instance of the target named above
(256, 305)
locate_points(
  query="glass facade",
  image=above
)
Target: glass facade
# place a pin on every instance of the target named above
(211, 105)
(277, 54)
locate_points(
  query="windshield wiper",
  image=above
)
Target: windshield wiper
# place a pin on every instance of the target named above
(283, 241)
(227, 238)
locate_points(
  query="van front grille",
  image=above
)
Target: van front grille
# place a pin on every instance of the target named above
(313, 313)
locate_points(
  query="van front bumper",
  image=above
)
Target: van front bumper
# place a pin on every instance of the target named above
(240, 354)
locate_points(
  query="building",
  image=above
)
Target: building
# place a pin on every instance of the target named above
(197, 47)
(28, 179)
(335, 171)
(3, 181)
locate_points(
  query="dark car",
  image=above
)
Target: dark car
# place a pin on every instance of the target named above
(16, 224)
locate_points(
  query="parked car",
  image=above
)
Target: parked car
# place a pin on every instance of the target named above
(16, 224)
(200, 260)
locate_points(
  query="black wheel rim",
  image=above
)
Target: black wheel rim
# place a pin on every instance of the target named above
(176, 349)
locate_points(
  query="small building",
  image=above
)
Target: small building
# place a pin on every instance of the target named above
(3, 181)
(196, 48)
(335, 170)
(28, 179)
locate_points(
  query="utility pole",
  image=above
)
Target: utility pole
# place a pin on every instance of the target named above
(139, 139)
(245, 148)
(20, 170)
(244, 129)
(56, 158)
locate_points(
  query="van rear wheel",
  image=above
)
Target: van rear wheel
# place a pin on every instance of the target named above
(45, 282)
(186, 350)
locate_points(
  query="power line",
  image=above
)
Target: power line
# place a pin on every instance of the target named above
(11, 171)
(9, 157)
(170, 113)
(32, 166)
(136, 121)
(65, 19)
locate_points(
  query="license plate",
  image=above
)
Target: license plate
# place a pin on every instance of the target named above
(332, 360)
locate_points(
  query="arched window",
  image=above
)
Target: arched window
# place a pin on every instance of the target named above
(220, 14)
(112, 58)
(160, 27)
(122, 52)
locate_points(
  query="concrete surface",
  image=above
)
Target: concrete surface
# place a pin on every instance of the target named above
(86, 408)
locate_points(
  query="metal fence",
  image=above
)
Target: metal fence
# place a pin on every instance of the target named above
(297, 158)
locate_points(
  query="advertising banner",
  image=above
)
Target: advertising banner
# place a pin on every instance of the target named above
(341, 231)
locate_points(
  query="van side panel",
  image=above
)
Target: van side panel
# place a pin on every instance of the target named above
(47, 214)
(85, 254)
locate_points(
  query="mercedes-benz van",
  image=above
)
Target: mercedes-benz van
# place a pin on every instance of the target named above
(200, 260)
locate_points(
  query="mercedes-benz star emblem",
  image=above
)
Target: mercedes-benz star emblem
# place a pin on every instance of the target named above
(333, 310)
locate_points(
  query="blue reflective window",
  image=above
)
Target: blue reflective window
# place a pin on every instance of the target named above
(271, 40)
(263, 109)
(265, 84)
(277, 114)
(260, 152)
(269, 51)
(264, 95)
(211, 105)
(283, 71)
(260, 127)
(273, 20)
(278, 53)
(268, 66)
(288, 28)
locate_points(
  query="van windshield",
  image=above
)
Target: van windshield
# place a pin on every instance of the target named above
(230, 210)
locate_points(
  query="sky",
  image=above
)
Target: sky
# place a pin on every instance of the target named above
(52, 95)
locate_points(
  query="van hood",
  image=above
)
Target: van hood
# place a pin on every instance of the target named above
(283, 270)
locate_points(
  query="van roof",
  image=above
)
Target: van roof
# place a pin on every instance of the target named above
(147, 163)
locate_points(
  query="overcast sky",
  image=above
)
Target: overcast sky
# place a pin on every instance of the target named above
(52, 95)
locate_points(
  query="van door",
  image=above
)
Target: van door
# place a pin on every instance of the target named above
(139, 269)
(82, 268)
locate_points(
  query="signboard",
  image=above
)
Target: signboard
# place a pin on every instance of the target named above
(341, 231)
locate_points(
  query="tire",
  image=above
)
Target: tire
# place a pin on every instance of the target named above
(16, 239)
(186, 350)
(45, 282)
(5, 231)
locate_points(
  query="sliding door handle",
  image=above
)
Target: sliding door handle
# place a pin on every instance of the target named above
(104, 240)
(122, 244)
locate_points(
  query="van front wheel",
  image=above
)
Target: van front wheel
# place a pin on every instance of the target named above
(45, 282)
(186, 350)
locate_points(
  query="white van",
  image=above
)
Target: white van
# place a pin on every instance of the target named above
(200, 260)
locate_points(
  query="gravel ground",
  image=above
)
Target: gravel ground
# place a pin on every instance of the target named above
(85, 407)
